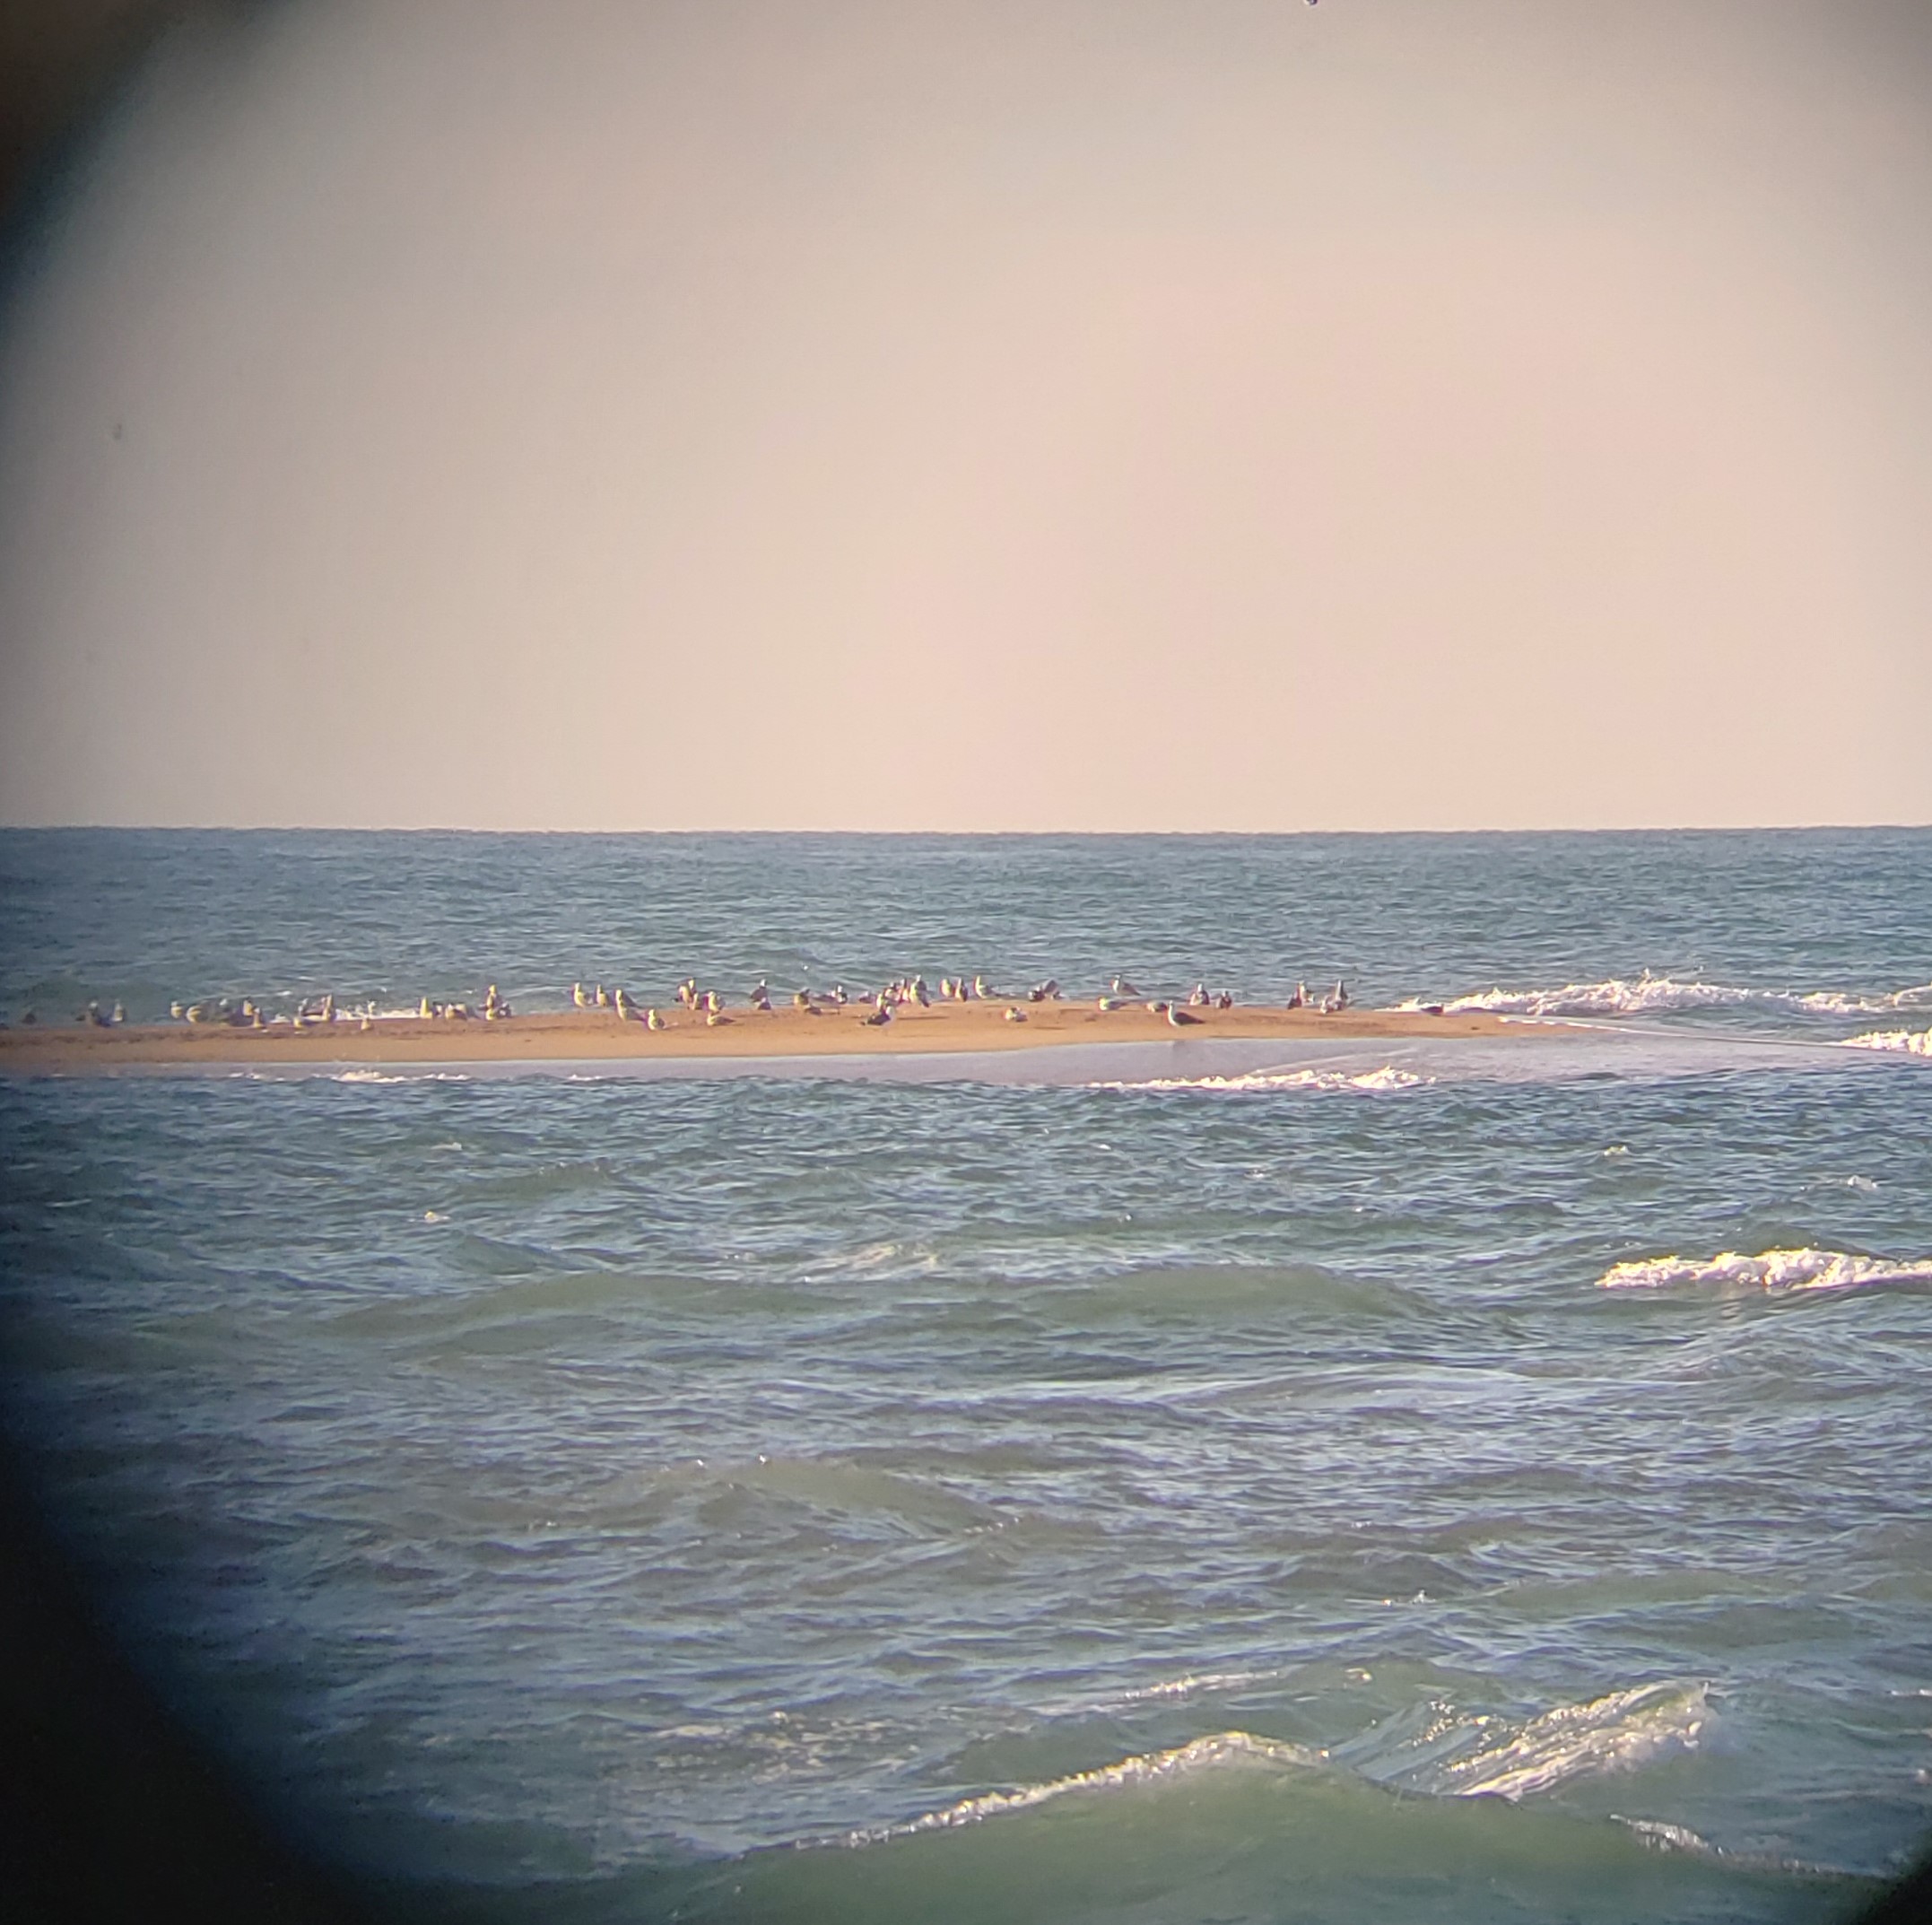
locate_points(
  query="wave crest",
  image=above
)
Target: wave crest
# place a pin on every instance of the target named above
(1770, 1270)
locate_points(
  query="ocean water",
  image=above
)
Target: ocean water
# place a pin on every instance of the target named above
(1379, 1482)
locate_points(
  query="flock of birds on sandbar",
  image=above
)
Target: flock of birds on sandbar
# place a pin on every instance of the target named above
(876, 1008)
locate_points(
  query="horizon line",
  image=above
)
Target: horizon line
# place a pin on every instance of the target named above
(328, 828)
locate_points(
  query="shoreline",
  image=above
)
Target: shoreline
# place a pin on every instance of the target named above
(600, 1036)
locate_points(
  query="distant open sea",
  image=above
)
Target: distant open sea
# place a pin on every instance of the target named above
(1408, 1484)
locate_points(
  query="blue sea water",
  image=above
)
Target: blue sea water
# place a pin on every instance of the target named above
(1144, 1496)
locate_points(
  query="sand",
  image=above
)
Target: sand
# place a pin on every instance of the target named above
(602, 1036)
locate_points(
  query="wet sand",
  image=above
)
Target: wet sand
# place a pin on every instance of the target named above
(602, 1036)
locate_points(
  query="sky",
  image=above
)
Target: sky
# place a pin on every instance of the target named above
(1036, 414)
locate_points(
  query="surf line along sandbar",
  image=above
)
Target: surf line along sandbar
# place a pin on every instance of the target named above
(600, 1036)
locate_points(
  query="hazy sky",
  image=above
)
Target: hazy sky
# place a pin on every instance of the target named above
(1062, 413)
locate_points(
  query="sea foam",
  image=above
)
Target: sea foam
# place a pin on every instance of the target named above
(1770, 1270)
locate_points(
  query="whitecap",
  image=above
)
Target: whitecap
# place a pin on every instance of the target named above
(1770, 1270)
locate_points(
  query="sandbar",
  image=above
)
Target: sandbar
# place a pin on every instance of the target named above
(592, 1036)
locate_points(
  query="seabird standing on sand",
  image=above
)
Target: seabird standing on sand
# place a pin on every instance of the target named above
(1015, 1014)
(1178, 1017)
(578, 1000)
(654, 1020)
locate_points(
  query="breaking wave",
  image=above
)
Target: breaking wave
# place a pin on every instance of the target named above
(1770, 1270)
(1388, 1077)
(1913, 1043)
(1617, 1732)
(1654, 996)
(1222, 1750)
(397, 1075)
